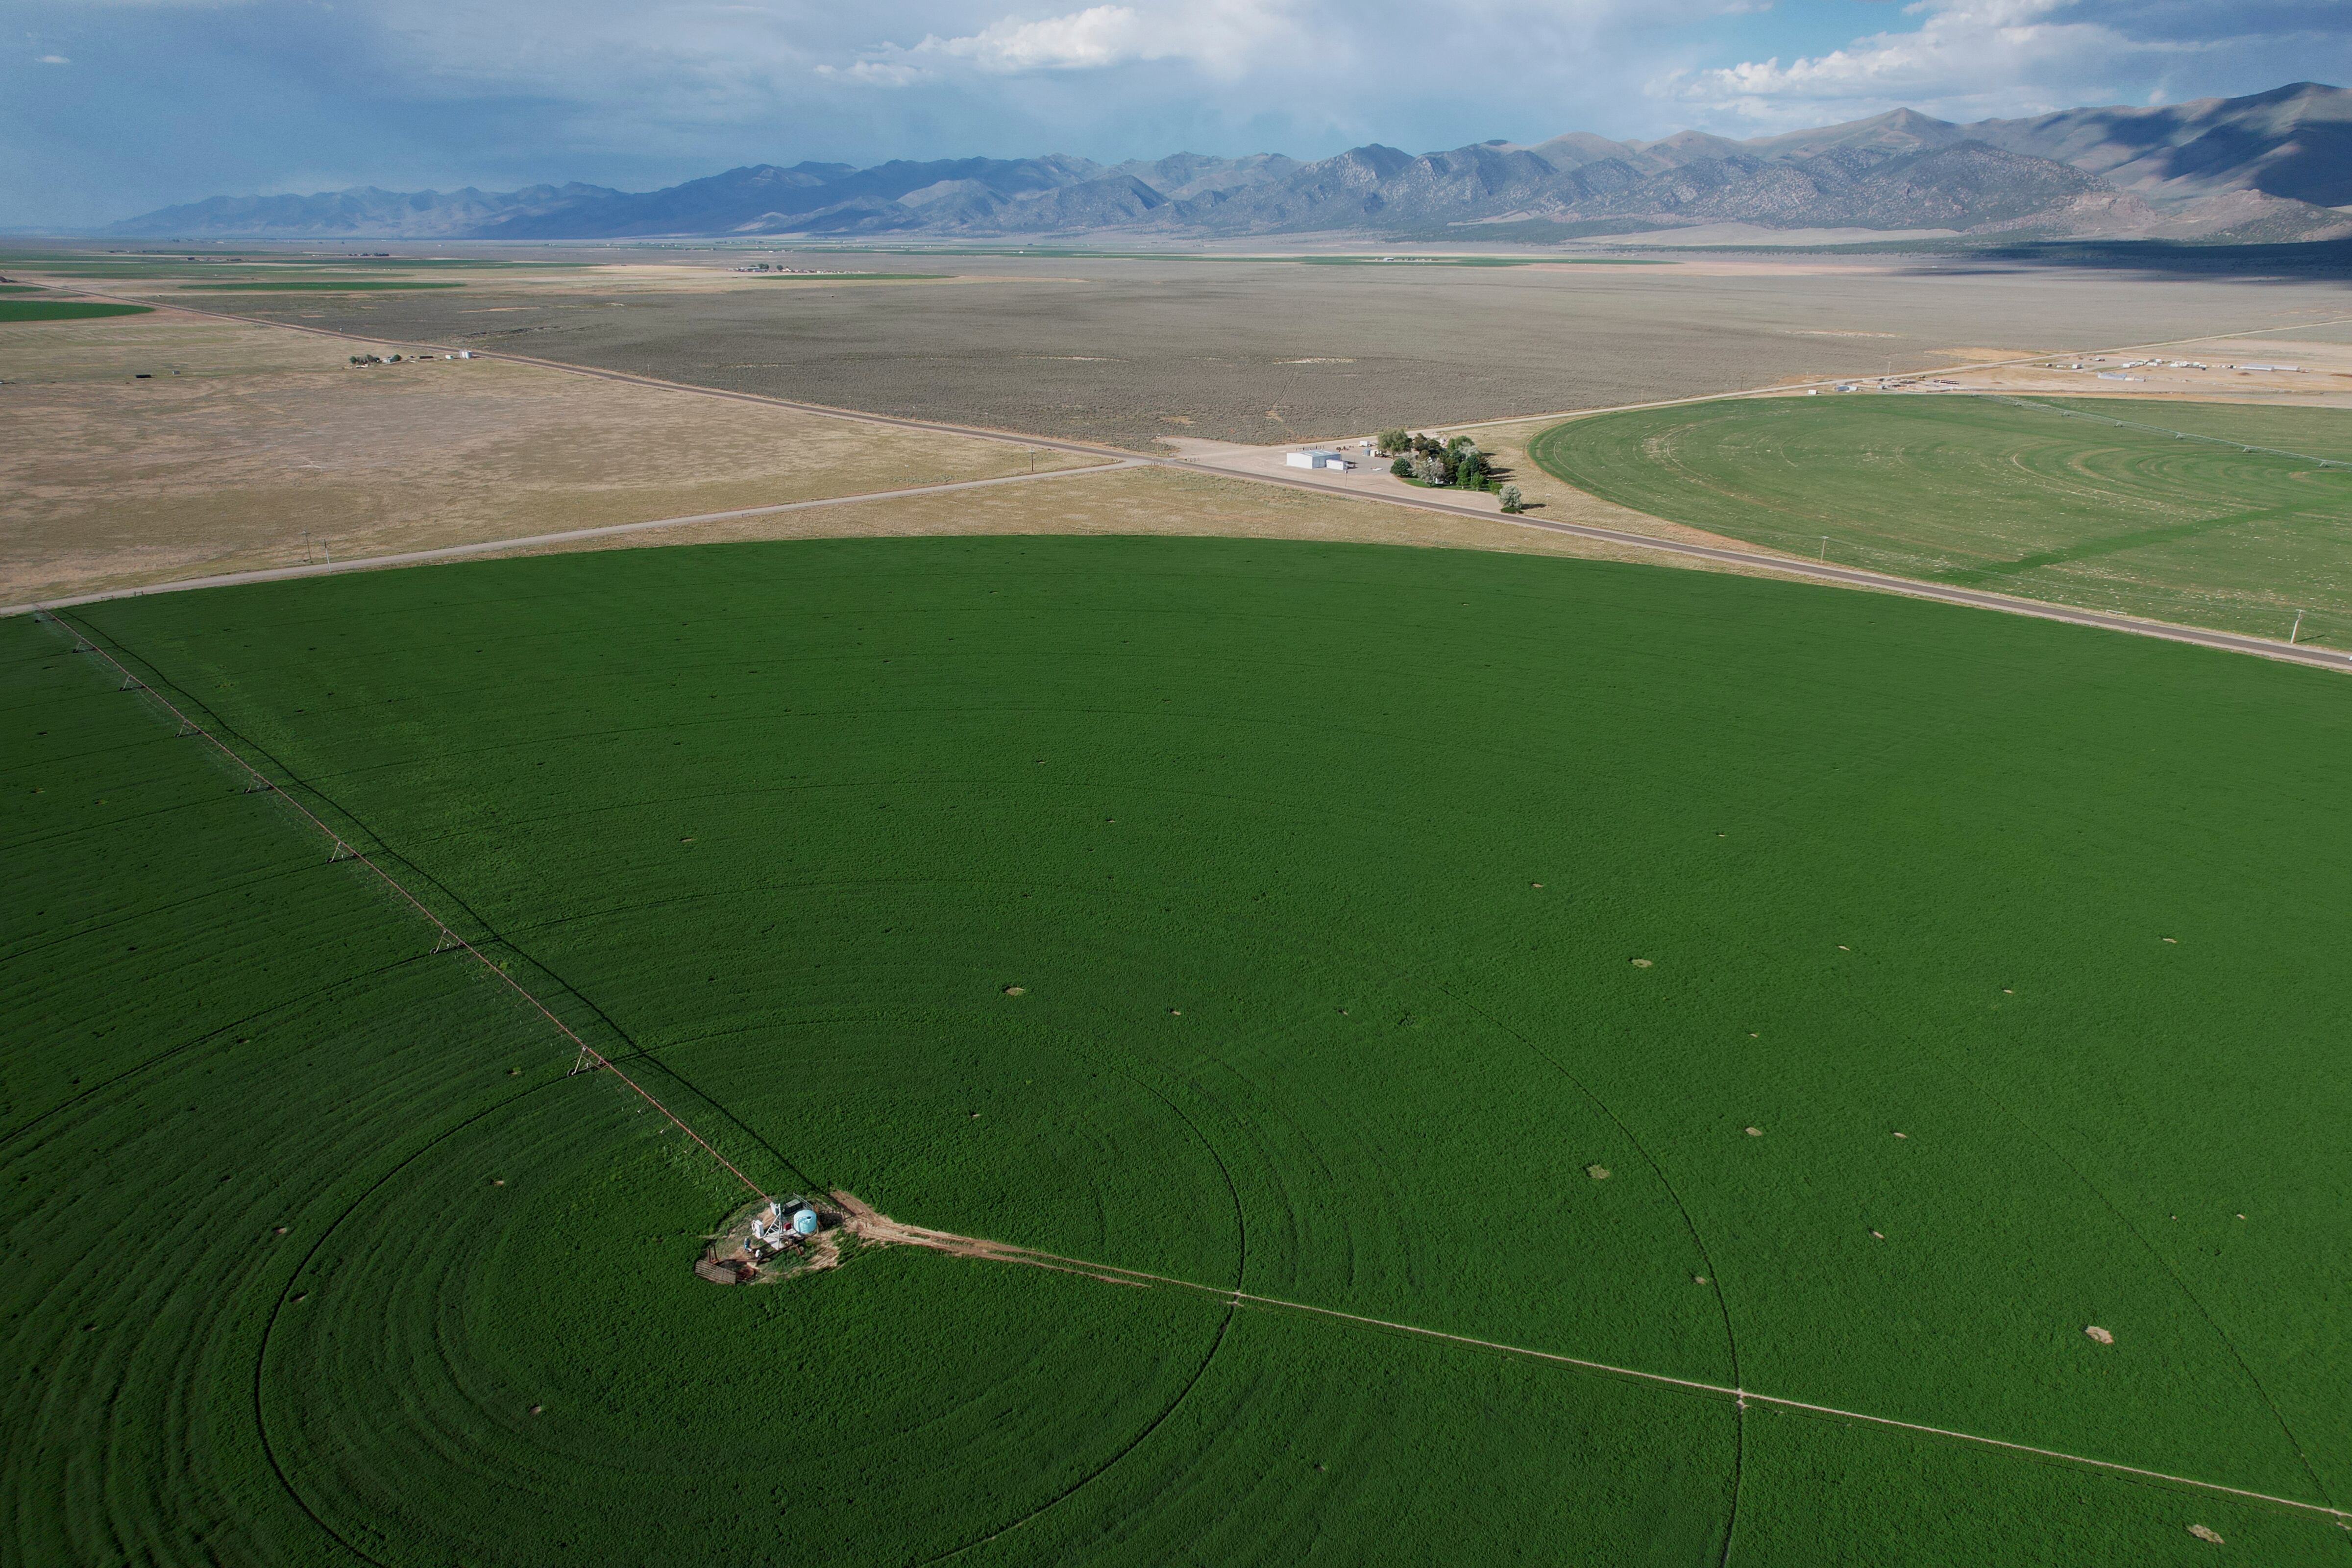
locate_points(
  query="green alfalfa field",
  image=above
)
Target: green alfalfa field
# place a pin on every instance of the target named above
(2234, 516)
(1322, 874)
(15, 310)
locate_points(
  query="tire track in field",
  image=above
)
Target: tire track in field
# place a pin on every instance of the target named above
(1003, 1252)
(1236, 1295)
(1216, 1343)
(640, 1053)
(530, 541)
(261, 1351)
(209, 1036)
(1714, 1277)
(451, 897)
(2055, 1152)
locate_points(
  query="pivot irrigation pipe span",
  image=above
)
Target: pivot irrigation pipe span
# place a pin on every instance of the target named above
(345, 850)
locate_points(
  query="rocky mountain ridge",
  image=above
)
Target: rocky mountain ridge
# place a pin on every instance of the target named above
(2273, 166)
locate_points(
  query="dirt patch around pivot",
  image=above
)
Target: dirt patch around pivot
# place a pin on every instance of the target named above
(874, 1228)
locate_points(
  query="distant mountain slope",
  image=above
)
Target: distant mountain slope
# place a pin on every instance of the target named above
(1858, 182)
(365, 211)
(2267, 167)
(2294, 143)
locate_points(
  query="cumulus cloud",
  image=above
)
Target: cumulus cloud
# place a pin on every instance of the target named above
(636, 93)
(873, 73)
(1090, 39)
(1964, 59)
(1223, 38)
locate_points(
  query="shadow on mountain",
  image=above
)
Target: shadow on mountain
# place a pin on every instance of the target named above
(2296, 262)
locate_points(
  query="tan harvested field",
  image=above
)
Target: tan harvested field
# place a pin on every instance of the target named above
(2209, 369)
(1154, 500)
(249, 435)
(1127, 350)
(264, 433)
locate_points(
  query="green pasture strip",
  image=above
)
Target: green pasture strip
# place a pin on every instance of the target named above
(2111, 412)
(1321, 873)
(1067, 255)
(307, 286)
(1480, 261)
(851, 276)
(451, 263)
(149, 274)
(20, 288)
(95, 267)
(64, 310)
(2316, 435)
(1043, 252)
(45, 259)
(2149, 510)
(1415, 260)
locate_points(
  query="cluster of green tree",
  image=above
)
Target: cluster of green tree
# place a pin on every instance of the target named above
(1455, 462)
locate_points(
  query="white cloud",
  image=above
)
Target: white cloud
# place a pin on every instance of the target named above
(1964, 57)
(407, 93)
(874, 73)
(53, 61)
(1090, 39)
(1223, 37)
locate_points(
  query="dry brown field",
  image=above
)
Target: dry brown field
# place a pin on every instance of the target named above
(255, 448)
(252, 447)
(1263, 351)
(1167, 501)
(2305, 367)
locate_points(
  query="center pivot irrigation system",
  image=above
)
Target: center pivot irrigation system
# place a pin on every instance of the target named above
(784, 1220)
(590, 1059)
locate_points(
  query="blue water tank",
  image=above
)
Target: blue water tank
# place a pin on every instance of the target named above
(804, 1222)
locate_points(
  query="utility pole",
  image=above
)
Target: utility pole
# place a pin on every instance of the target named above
(2299, 629)
(1825, 549)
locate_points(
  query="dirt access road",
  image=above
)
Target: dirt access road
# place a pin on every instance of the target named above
(1257, 464)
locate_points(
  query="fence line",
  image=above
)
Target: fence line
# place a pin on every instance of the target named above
(345, 850)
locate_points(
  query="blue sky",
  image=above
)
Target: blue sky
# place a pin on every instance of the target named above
(113, 107)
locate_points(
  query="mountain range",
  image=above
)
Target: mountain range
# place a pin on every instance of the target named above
(2274, 167)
